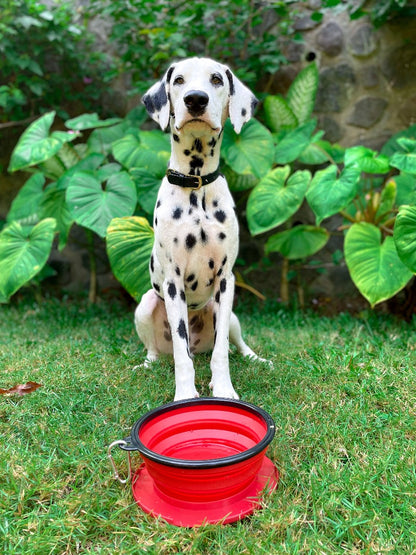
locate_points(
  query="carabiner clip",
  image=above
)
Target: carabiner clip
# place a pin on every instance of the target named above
(116, 474)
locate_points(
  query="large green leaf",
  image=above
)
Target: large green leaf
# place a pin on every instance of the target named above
(37, 144)
(238, 181)
(90, 121)
(147, 186)
(366, 160)
(129, 246)
(250, 152)
(302, 93)
(53, 205)
(25, 206)
(327, 194)
(299, 242)
(375, 266)
(276, 198)
(23, 253)
(278, 114)
(405, 236)
(94, 205)
(145, 149)
(294, 143)
(406, 188)
(406, 159)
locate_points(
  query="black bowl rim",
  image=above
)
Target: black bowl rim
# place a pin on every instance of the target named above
(133, 443)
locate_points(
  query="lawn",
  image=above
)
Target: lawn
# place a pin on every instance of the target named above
(342, 392)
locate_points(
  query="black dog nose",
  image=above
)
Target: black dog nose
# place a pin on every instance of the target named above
(196, 102)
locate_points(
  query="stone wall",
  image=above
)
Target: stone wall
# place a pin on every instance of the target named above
(367, 88)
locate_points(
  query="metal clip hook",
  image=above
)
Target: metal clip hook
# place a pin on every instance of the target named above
(116, 474)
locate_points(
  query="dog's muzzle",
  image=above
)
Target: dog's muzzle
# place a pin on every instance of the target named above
(196, 102)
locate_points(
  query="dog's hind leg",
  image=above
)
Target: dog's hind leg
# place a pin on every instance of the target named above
(144, 320)
(237, 339)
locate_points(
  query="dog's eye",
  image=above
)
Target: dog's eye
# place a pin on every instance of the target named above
(179, 80)
(216, 79)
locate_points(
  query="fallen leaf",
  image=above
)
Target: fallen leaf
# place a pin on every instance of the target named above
(21, 389)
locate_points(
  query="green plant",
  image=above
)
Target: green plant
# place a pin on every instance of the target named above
(74, 181)
(42, 61)
(149, 35)
(375, 193)
(380, 11)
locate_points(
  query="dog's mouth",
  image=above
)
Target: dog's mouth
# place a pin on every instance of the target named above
(197, 121)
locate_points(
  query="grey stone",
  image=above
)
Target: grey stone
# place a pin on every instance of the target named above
(333, 131)
(330, 39)
(304, 23)
(368, 111)
(369, 77)
(336, 85)
(407, 111)
(363, 42)
(399, 66)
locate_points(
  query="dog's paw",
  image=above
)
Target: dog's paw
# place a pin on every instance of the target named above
(185, 393)
(263, 360)
(223, 390)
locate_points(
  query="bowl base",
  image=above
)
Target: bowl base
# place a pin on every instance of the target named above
(189, 513)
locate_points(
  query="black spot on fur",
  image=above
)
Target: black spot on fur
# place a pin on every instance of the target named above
(221, 236)
(177, 270)
(217, 297)
(220, 215)
(182, 295)
(187, 152)
(219, 272)
(169, 74)
(156, 287)
(224, 261)
(193, 199)
(177, 213)
(243, 112)
(214, 320)
(223, 285)
(190, 278)
(182, 330)
(254, 103)
(176, 138)
(231, 81)
(155, 222)
(203, 203)
(204, 237)
(212, 142)
(194, 286)
(172, 290)
(210, 282)
(175, 240)
(152, 264)
(190, 241)
(198, 145)
(215, 203)
(195, 164)
(211, 263)
(158, 203)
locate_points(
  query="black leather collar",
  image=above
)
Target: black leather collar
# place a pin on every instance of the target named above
(192, 181)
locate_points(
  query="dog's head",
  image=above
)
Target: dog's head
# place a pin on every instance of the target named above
(199, 92)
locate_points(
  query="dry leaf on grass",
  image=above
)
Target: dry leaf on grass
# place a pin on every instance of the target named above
(21, 389)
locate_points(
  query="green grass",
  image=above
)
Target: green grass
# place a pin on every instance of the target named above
(342, 392)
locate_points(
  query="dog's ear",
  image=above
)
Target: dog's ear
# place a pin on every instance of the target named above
(242, 102)
(157, 100)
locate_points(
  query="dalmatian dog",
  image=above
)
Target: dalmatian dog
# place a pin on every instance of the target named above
(189, 308)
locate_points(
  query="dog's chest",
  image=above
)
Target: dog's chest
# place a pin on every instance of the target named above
(196, 238)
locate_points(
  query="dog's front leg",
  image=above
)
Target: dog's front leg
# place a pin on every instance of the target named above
(177, 313)
(221, 380)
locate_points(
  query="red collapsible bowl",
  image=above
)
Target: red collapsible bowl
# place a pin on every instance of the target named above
(204, 461)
